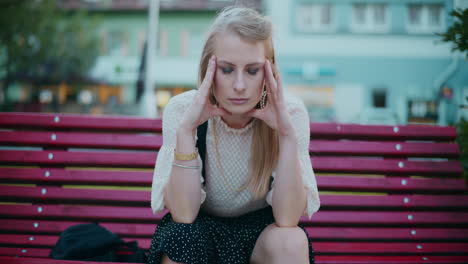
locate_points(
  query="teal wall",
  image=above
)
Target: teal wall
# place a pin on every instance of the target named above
(129, 23)
(342, 12)
(174, 22)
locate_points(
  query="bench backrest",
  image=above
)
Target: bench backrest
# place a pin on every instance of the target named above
(389, 193)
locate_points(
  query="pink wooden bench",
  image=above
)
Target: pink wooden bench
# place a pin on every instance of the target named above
(389, 194)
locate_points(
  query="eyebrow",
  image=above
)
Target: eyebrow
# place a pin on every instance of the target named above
(249, 64)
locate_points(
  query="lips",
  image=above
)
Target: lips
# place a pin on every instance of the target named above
(238, 101)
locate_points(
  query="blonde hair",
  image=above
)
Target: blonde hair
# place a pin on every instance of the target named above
(251, 26)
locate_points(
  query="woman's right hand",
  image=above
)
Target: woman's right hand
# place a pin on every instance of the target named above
(201, 108)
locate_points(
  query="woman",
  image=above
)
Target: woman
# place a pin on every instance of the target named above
(234, 169)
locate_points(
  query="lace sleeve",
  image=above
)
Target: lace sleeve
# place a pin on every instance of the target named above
(301, 121)
(163, 167)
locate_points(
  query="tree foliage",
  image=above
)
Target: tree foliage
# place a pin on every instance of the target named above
(457, 33)
(43, 43)
(462, 140)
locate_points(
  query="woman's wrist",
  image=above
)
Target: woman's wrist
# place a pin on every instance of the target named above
(186, 129)
(290, 138)
(185, 140)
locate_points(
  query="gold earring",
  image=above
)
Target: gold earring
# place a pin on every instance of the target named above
(263, 100)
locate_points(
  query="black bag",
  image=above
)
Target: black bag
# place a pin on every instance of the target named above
(92, 242)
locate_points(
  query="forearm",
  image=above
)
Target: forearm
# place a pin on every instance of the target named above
(183, 190)
(289, 197)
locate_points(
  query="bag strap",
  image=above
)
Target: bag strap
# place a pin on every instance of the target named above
(201, 145)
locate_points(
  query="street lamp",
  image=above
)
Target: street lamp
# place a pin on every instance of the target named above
(148, 104)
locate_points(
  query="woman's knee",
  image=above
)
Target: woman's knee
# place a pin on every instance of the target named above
(167, 260)
(185, 218)
(286, 241)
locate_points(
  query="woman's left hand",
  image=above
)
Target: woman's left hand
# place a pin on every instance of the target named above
(275, 113)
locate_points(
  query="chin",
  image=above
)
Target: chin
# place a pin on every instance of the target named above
(238, 109)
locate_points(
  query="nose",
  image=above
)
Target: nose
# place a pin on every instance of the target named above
(239, 83)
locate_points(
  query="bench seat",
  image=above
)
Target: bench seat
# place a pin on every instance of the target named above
(389, 194)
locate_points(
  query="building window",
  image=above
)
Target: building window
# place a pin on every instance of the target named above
(116, 43)
(197, 40)
(424, 18)
(103, 42)
(414, 15)
(162, 45)
(141, 41)
(370, 18)
(315, 18)
(422, 111)
(379, 98)
(184, 43)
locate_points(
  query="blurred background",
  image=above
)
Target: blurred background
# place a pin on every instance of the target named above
(351, 61)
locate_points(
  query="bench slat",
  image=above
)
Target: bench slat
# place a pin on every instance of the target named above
(316, 233)
(81, 140)
(390, 248)
(147, 160)
(71, 176)
(144, 215)
(154, 142)
(142, 178)
(24, 254)
(74, 195)
(390, 184)
(426, 259)
(387, 166)
(319, 247)
(442, 202)
(387, 234)
(321, 259)
(382, 132)
(56, 227)
(36, 240)
(79, 122)
(318, 130)
(386, 149)
(141, 198)
(128, 159)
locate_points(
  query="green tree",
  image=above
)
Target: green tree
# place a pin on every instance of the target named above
(43, 43)
(457, 33)
(462, 140)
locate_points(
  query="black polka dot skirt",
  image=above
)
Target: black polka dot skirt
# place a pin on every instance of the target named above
(212, 240)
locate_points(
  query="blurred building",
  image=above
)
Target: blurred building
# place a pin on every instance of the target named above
(366, 61)
(123, 29)
(371, 61)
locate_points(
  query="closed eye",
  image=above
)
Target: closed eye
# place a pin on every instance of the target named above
(252, 71)
(226, 70)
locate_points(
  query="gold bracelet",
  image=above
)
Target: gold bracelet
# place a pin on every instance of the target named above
(186, 157)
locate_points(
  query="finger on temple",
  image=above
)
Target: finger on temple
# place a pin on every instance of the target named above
(208, 80)
(271, 82)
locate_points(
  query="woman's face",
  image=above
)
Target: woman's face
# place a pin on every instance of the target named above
(239, 77)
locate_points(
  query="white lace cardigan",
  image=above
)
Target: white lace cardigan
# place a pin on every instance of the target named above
(219, 197)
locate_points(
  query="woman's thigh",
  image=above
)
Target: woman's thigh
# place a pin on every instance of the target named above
(276, 243)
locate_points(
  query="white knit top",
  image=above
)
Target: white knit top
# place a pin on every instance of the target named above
(219, 195)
